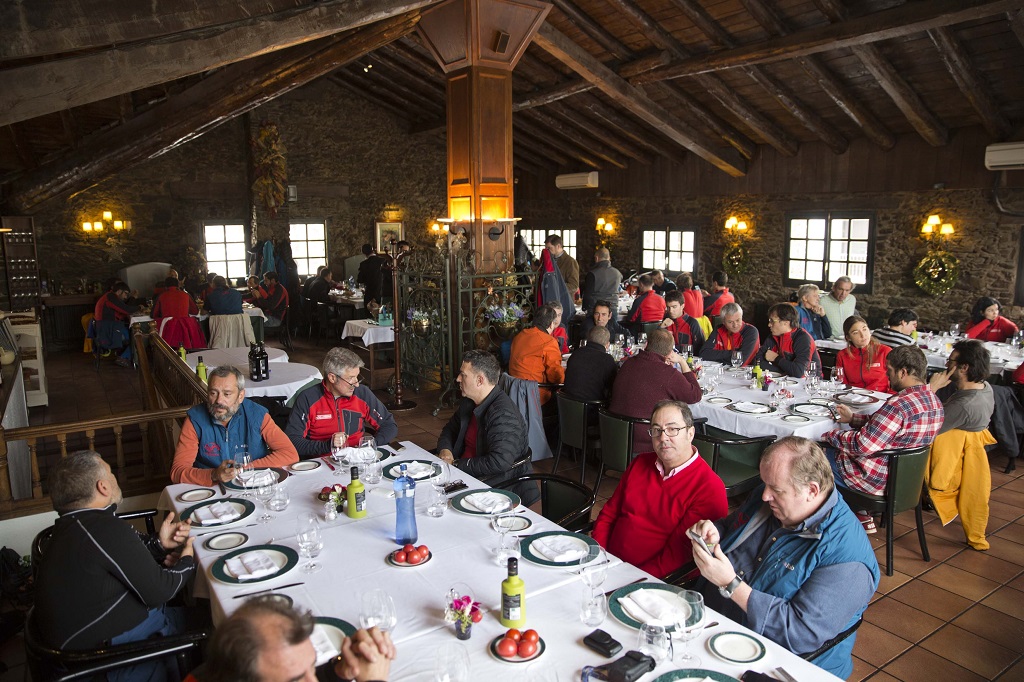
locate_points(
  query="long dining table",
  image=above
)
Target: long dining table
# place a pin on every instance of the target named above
(461, 546)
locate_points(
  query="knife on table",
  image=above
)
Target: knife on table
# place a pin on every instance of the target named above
(329, 465)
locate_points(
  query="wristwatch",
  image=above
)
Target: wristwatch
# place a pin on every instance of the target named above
(727, 590)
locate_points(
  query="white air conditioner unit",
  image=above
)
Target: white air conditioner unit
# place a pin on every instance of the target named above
(576, 180)
(1005, 156)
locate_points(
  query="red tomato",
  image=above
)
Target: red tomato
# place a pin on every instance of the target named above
(530, 636)
(507, 648)
(477, 616)
(422, 549)
(527, 648)
(414, 558)
(408, 548)
(514, 635)
(400, 557)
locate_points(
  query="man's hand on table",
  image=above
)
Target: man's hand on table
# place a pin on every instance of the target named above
(446, 455)
(225, 472)
(366, 655)
(173, 533)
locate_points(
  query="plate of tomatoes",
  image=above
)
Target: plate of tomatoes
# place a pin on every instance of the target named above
(409, 556)
(517, 647)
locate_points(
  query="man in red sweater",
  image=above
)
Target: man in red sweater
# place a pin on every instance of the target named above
(661, 494)
(647, 306)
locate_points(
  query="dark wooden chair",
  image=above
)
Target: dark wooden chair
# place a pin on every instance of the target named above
(734, 458)
(562, 500)
(574, 419)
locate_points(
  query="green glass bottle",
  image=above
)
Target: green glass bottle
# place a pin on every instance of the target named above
(201, 369)
(513, 597)
(355, 495)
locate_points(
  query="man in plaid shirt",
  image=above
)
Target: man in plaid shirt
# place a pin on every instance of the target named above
(909, 419)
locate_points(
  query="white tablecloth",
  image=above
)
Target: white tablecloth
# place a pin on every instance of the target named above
(286, 378)
(370, 332)
(356, 302)
(353, 559)
(1004, 358)
(250, 311)
(239, 357)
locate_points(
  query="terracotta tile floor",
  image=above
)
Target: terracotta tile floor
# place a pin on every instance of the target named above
(957, 618)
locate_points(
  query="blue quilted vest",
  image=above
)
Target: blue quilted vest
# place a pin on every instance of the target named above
(218, 443)
(838, 539)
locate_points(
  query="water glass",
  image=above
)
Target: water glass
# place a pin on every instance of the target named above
(437, 502)
(508, 548)
(451, 663)
(245, 470)
(690, 627)
(954, 330)
(813, 369)
(655, 641)
(595, 567)
(736, 359)
(310, 541)
(279, 501)
(837, 377)
(373, 472)
(378, 608)
(593, 607)
(264, 493)
(338, 453)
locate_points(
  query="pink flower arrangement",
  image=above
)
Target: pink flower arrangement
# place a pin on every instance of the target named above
(461, 610)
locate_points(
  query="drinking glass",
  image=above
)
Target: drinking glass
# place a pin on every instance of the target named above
(378, 608)
(685, 350)
(642, 340)
(954, 330)
(246, 470)
(837, 377)
(373, 472)
(501, 523)
(437, 503)
(736, 359)
(812, 368)
(508, 548)
(338, 453)
(595, 567)
(712, 384)
(264, 493)
(593, 607)
(310, 542)
(654, 641)
(451, 663)
(279, 501)
(690, 626)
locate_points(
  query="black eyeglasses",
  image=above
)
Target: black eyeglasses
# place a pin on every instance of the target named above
(670, 431)
(353, 384)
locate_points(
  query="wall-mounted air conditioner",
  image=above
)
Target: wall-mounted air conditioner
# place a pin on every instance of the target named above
(1005, 156)
(576, 180)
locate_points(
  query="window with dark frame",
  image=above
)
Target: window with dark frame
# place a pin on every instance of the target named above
(224, 246)
(309, 245)
(822, 246)
(534, 240)
(670, 249)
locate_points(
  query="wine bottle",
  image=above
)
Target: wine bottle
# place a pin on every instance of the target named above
(201, 369)
(405, 502)
(355, 495)
(264, 361)
(513, 597)
(254, 365)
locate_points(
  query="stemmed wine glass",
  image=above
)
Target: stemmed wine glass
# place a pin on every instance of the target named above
(378, 608)
(451, 663)
(594, 569)
(838, 377)
(246, 470)
(736, 359)
(690, 626)
(501, 523)
(310, 541)
(812, 385)
(954, 330)
(338, 446)
(264, 493)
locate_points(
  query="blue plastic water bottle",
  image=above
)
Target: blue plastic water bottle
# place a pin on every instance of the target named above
(405, 499)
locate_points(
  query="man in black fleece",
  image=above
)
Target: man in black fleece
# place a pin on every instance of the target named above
(100, 581)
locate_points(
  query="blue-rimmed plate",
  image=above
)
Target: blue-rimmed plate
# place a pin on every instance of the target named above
(245, 508)
(459, 503)
(736, 647)
(619, 614)
(391, 472)
(335, 630)
(694, 675)
(286, 559)
(534, 555)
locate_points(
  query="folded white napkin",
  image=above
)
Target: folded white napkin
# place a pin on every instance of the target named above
(647, 606)
(857, 398)
(559, 548)
(817, 410)
(325, 649)
(218, 512)
(251, 565)
(488, 502)
(750, 407)
(415, 470)
(262, 477)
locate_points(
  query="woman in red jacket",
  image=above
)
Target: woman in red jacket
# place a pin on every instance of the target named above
(987, 324)
(863, 360)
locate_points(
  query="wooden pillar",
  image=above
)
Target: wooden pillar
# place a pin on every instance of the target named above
(478, 43)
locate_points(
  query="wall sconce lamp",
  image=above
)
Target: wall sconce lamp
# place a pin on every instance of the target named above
(604, 226)
(933, 227)
(498, 228)
(736, 226)
(450, 225)
(98, 227)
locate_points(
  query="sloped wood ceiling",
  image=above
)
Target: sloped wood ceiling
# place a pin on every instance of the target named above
(606, 83)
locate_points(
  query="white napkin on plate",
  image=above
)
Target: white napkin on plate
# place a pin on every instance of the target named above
(817, 410)
(262, 477)
(325, 649)
(415, 470)
(647, 606)
(857, 398)
(218, 512)
(559, 548)
(488, 502)
(750, 407)
(251, 565)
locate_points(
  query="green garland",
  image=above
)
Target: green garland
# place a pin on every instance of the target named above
(735, 259)
(937, 272)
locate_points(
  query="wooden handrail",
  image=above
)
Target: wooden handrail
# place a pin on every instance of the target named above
(43, 430)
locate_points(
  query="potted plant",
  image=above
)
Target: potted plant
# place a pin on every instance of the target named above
(422, 321)
(505, 318)
(463, 612)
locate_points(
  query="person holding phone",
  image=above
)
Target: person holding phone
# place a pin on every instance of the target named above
(791, 564)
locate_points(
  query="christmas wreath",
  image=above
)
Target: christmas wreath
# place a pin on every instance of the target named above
(937, 272)
(735, 260)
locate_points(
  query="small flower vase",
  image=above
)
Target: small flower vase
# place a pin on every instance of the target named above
(463, 629)
(505, 330)
(422, 328)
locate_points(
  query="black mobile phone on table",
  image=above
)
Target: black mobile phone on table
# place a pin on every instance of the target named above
(603, 643)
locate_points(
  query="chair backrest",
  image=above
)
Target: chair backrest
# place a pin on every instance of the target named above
(564, 501)
(572, 420)
(735, 447)
(906, 476)
(616, 439)
(231, 331)
(648, 327)
(705, 325)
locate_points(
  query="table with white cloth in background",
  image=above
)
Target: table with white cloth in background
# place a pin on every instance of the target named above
(237, 357)
(286, 379)
(369, 331)
(461, 545)
(374, 347)
(341, 298)
(937, 349)
(736, 389)
(251, 311)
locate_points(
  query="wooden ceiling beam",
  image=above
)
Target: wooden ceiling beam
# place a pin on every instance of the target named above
(67, 122)
(522, 154)
(25, 156)
(830, 84)
(583, 140)
(970, 82)
(394, 76)
(582, 62)
(697, 111)
(528, 141)
(547, 139)
(596, 31)
(608, 135)
(1016, 19)
(389, 106)
(809, 118)
(904, 20)
(628, 128)
(48, 86)
(753, 119)
(905, 97)
(228, 93)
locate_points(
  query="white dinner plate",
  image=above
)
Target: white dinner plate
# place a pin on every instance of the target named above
(718, 400)
(736, 647)
(244, 507)
(335, 630)
(285, 558)
(795, 419)
(811, 410)
(196, 495)
(858, 399)
(748, 407)
(305, 465)
(225, 541)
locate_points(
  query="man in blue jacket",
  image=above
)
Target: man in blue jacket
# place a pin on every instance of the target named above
(793, 564)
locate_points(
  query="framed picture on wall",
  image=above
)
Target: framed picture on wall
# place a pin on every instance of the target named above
(386, 232)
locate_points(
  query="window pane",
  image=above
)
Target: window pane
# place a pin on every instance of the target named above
(858, 273)
(798, 249)
(659, 261)
(837, 250)
(214, 233)
(859, 252)
(840, 229)
(648, 240)
(675, 240)
(859, 228)
(317, 249)
(215, 252)
(297, 232)
(836, 270)
(220, 267)
(687, 264)
(234, 233)
(316, 231)
(299, 249)
(675, 261)
(648, 260)
(302, 265)
(814, 271)
(236, 269)
(688, 241)
(816, 228)
(568, 238)
(235, 251)
(815, 250)
(798, 229)
(796, 269)
(659, 240)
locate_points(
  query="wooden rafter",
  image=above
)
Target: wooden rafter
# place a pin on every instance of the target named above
(547, 139)
(620, 91)
(24, 155)
(596, 31)
(224, 95)
(67, 121)
(907, 19)
(693, 110)
(970, 82)
(905, 97)
(48, 86)
(608, 135)
(390, 106)
(521, 134)
(830, 84)
(629, 129)
(586, 142)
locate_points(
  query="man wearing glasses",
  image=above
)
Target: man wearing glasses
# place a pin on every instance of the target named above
(661, 494)
(339, 404)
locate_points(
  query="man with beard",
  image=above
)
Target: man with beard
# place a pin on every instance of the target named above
(215, 434)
